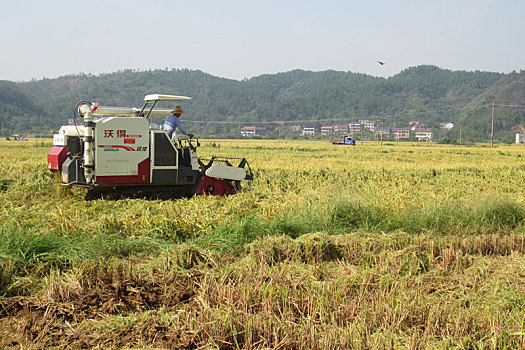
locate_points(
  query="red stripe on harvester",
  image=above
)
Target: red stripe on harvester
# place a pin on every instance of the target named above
(127, 148)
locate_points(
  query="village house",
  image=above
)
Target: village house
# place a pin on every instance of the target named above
(446, 126)
(368, 124)
(379, 130)
(413, 124)
(327, 130)
(308, 132)
(401, 133)
(416, 125)
(248, 130)
(341, 129)
(424, 135)
(354, 128)
(252, 131)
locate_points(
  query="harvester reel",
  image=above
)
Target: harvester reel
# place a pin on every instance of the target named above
(215, 187)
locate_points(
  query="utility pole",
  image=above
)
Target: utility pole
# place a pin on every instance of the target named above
(362, 127)
(492, 131)
(382, 130)
(460, 135)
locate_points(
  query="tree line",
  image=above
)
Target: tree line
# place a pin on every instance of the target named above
(427, 93)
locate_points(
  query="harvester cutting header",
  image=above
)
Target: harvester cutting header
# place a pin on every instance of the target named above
(120, 154)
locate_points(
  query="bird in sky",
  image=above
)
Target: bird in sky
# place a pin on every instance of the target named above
(381, 62)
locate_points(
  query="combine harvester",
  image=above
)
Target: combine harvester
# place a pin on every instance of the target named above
(120, 155)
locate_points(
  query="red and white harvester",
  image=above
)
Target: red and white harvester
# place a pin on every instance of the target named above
(116, 153)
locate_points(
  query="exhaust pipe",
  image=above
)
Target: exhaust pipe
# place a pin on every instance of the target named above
(86, 111)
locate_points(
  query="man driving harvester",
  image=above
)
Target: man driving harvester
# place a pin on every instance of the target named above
(173, 123)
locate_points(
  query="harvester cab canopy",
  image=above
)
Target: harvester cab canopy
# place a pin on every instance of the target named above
(146, 111)
(158, 97)
(154, 98)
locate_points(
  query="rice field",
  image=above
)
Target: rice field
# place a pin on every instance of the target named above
(417, 246)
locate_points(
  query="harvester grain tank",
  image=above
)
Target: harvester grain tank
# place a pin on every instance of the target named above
(117, 153)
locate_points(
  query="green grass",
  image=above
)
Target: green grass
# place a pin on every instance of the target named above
(28, 253)
(345, 216)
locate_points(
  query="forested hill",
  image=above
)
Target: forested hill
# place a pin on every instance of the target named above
(17, 110)
(426, 93)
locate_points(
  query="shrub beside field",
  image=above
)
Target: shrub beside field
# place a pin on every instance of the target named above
(330, 247)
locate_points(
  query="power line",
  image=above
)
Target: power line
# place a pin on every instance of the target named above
(511, 101)
(514, 106)
(393, 114)
(382, 116)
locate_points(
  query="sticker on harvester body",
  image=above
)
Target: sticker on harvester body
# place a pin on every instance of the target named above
(120, 146)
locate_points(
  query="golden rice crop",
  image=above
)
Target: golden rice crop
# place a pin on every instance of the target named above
(400, 246)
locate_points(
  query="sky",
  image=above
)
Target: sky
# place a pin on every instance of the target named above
(242, 39)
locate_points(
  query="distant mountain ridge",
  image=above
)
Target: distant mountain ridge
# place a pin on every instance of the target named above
(17, 110)
(427, 93)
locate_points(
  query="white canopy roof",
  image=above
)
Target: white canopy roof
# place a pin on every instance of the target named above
(104, 111)
(158, 97)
